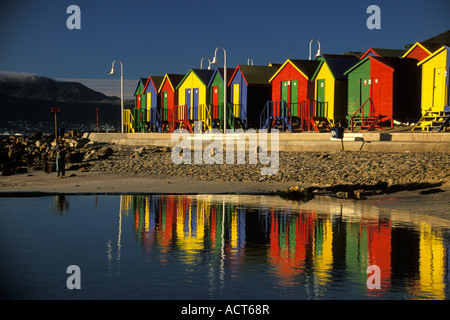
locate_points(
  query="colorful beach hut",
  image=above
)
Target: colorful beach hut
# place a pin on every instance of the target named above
(417, 51)
(216, 93)
(152, 103)
(193, 97)
(423, 49)
(381, 90)
(331, 86)
(292, 99)
(138, 116)
(250, 90)
(169, 99)
(435, 104)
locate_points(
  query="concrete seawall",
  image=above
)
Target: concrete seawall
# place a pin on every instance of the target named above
(320, 142)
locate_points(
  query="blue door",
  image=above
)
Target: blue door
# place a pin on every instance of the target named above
(188, 103)
(195, 104)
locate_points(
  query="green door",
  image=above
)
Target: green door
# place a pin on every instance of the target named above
(285, 91)
(164, 109)
(321, 97)
(284, 96)
(365, 84)
(294, 97)
(289, 93)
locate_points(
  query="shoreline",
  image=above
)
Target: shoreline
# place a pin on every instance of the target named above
(39, 183)
(391, 180)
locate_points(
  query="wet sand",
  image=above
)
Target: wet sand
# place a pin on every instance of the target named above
(41, 183)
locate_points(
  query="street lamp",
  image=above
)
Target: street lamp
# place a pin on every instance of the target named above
(112, 73)
(201, 63)
(214, 62)
(318, 51)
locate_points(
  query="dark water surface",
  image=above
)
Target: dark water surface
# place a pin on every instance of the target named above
(218, 247)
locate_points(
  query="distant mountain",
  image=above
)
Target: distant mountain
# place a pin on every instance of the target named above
(28, 98)
(37, 87)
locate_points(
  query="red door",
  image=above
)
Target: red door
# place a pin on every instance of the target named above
(215, 99)
(138, 101)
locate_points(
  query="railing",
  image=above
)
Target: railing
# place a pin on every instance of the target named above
(361, 111)
(236, 112)
(276, 111)
(128, 121)
(165, 114)
(154, 120)
(304, 111)
(321, 109)
(139, 115)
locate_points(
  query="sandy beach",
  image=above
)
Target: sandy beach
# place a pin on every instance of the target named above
(148, 170)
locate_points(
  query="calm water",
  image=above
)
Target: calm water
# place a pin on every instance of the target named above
(217, 247)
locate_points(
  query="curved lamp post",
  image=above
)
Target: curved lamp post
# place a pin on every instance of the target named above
(318, 54)
(214, 62)
(201, 63)
(113, 72)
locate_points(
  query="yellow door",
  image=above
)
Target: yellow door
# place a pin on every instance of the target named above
(236, 100)
(149, 104)
(438, 87)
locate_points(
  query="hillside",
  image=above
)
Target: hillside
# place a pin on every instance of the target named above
(37, 87)
(26, 100)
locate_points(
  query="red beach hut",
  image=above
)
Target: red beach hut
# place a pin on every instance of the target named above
(292, 96)
(381, 90)
(169, 99)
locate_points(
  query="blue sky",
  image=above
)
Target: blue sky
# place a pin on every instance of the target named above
(171, 36)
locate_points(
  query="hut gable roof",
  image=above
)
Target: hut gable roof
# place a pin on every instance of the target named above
(432, 44)
(381, 52)
(306, 67)
(173, 79)
(443, 48)
(394, 63)
(397, 64)
(203, 75)
(338, 64)
(436, 42)
(254, 75)
(417, 44)
(155, 81)
(357, 65)
(142, 82)
(221, 73)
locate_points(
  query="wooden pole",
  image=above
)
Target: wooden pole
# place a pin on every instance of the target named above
(56, 128)
(98, 127)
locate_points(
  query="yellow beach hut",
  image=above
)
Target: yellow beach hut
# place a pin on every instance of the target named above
(435, 90)
(331, 85)
(193, 96)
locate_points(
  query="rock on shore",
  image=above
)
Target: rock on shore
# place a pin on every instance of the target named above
(22, 154)
(355, 170)
(344, 167)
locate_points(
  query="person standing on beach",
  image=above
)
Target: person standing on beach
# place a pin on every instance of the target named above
(61, 159)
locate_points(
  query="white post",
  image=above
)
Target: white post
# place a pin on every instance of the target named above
(121, 91)
(224, 85)
(318, 52)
